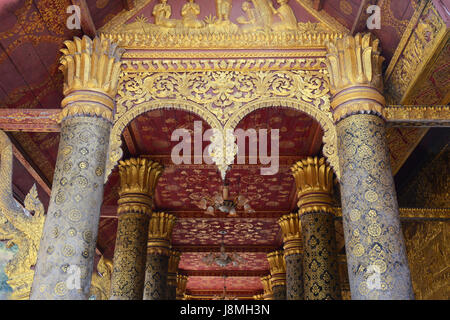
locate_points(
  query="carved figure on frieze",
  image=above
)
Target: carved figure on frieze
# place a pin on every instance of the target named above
(223, 23)
(264, 10)
(189, 13)
(18, 226)
(286, 15)
(162, 12)
(252, 21)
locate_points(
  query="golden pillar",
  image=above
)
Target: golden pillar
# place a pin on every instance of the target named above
(181, 286)
(258, 297)
(292, 245)
(268, 294)
(377, 262)
(66, 253)
(174, 260)
(138, 179)
(314, 181)
(158, 251)
(277, 274)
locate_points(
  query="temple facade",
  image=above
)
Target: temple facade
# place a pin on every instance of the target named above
(224, 150)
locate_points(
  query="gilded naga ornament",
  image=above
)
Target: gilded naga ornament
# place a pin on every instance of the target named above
(101, 281)
(18, 226)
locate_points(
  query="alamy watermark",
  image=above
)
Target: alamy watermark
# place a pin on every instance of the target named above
(374, 20)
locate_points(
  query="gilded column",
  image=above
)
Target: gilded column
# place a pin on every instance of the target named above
(292, 245)
(377, 262)
(174, 260)
(66, 255)
(277, 274)
(181, 286)
(138, 179)
(314, 181)
(268, 294)
(158, 251)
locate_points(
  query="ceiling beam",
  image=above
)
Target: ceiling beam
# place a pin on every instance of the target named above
(228, 273)
(87, 23)
(235, 248)
(128, 4)
(30, 166)
(318, 4)
(30, 120)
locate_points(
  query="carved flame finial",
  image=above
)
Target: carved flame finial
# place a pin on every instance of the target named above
(91, 71)
(160, 232)
(355, 69)
(138, 179)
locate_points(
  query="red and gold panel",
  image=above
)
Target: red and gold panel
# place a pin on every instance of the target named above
(250, 261)
(216, 284)
(248, 231)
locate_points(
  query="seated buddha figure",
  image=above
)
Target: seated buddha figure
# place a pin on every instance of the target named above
(162, 12)
(189, 13)
(286, 15)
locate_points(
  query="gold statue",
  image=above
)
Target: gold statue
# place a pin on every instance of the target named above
(223, 9)
(162, 12)
(101, 281)
(264, 11)
(251, 22)
(189, 13)
(286, 15)
(18, 226)
(223, 23)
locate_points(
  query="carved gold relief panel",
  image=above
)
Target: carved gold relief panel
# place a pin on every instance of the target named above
(428, 249)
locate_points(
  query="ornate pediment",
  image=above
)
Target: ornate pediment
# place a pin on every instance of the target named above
(222, 24)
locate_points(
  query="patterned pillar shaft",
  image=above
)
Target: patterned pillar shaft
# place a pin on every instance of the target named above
(292, 239)
(277, 274)
(377, 262)
(268, 294)
(181, 286)
(174, 260)
(66, 255)
(138, 179)
(314, 181)
(158, 251)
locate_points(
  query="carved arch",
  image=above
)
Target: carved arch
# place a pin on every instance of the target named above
(322, 117)
(115, 152)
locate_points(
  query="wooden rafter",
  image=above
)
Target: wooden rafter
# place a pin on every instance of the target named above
(128, 136)
(318, 4)
(87, 23)
(30, 166)
(128, 4)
